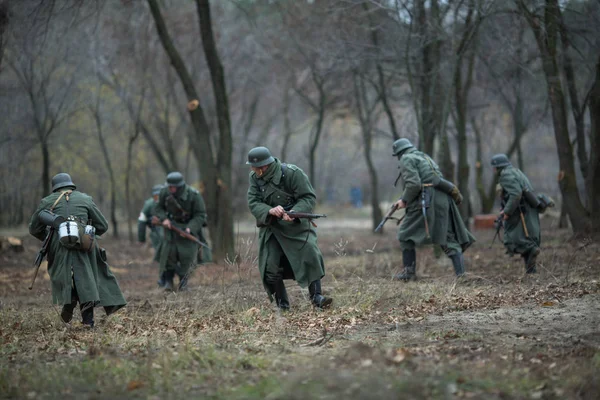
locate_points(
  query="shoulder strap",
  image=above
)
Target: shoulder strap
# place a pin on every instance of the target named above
(66, 193)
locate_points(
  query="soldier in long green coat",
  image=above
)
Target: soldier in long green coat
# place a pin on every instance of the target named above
(145, 221)
(77, 275)
(287, 247)
(432, 215)
(182, 206)
(521, 221)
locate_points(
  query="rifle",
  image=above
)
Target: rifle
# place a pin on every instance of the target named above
(41, 254)
(188, 236)
(498, 225)
(295, 214)
(387, 216)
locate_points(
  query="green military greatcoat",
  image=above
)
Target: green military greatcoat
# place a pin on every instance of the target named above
(290, 188)
(93, 279)
(185, 209)
(156, 231)
(446, 226)
(513, 183)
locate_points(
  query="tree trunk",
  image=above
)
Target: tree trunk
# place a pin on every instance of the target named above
(111, 174)
(577, 109)
(488, 197)
(224, 245)
(546, 38)
(46, 168)
(215, 175)
(365, 116)
(316, 136)
(130, 212)
(593, 178)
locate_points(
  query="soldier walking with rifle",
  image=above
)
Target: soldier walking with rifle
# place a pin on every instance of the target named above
(148, 220)
(520, 212)
(281, 198)
(182, 213)
(68, 221)
(432, 214)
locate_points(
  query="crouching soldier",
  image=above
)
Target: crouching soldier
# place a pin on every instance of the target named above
(148, 220)
(180, 206)
(287, 247)
(76, 265)
(431, 212)
(520, 212)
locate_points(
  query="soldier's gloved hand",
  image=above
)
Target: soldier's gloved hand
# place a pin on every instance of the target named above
(155, 220)
(456, 195)
(278, 211)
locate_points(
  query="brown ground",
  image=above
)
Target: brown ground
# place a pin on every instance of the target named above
(496, 334)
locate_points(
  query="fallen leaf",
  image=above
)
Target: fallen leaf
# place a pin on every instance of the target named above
(132, 385)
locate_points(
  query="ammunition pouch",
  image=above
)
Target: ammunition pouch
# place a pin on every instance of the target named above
(50, 219)
(447, 187)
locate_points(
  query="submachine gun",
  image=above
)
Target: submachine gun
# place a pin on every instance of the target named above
(52, 221)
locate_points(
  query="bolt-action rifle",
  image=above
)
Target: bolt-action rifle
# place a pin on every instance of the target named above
(387, 216)
(188, 236)
(498, 226)
(41, 255)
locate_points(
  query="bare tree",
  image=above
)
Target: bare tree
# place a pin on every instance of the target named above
(546, 30)
(215, 171)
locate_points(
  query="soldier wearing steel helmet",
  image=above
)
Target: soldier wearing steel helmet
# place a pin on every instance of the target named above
(520, 218)
(182, 206)
(432, 214)
(287, 247)
(78, 275)
(148, 220)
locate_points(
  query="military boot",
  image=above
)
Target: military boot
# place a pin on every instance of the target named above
(281, 297)
(530, 260)
(458, 262)
(169, 275)
(161, 280)
(87, 314)
(316, 298)
(183, 283)
(67, 312)
(409, 259)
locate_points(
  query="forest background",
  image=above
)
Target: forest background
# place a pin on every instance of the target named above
(120, 92)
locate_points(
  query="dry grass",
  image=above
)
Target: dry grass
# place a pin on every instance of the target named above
(496, 334)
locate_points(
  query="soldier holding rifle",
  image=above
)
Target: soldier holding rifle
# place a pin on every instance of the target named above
(431, 212)
(68, 220)
(147, 219)
(520, 209)
(287, 242)
(180, 206)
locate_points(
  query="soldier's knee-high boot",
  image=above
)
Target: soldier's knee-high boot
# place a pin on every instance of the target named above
(87, 314)
(316, 297)
(409, 259)
(67, 311)
(458, 262)
(281, 297)
(169, 275)
(161, 280)
(530, 259)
